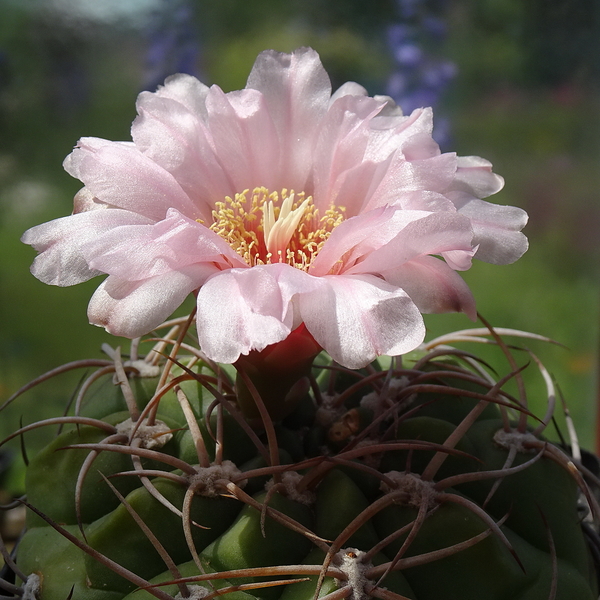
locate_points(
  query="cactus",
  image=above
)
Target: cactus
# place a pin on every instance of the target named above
(421, 478)
(264, 456)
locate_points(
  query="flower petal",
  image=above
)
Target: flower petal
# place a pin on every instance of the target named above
(392, 130)
(61, 260)
(350, 88)
(243, 310)
(411, 177)
(120, 175)
(297, 90)
(131, 309)
(240, 123)
(497, 228)
(357, 318)
(178, 140)
(186, 90)
(449, 234)
(84, 201)
(137, 252)
(354, 238)
(474, 175)
(340, 146)
(433, 286)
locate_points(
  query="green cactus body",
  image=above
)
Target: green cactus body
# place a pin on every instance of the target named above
(401, 488)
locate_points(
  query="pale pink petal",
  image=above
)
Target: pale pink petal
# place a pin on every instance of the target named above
(340, 147)
(138, 252)
(390, 131)
(474, 175)
(297, 90)
(497, 228)
(378, 239)
(404, 177)
(355, 319)
(179, 141)
(433, 286)
(421, 146)
(356, 237)
(355, 186)
(391, 109)
(244, 310)
(186, 90)
(433, 233)
(120, 175)
(131, 309)
(84, 200)
(350, 88)
(60, 242)
(240, 123)
(424, 200)
(460, 260)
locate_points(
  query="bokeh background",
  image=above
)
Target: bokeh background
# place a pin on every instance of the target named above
(515, 82)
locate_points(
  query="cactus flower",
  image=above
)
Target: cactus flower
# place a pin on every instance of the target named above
(277, 205)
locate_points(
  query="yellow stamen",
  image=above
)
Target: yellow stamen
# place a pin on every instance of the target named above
(271, 227)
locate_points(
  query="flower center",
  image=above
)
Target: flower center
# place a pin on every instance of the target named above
(266, 227)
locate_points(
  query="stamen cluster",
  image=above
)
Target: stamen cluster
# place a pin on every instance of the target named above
(266, 227)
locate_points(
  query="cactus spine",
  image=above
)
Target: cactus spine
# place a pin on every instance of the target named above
(423, 480)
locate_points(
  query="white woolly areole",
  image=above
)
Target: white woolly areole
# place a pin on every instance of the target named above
(290, 480)
(197, 592)
(350, 562)
(378, 403)
(414, 491)
(371, 459)
(32, 587)
(328, 412)
(152, 436)
(143, 368)
(516, 439)
(206, 477)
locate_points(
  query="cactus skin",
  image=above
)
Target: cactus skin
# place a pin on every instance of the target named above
(412, 454)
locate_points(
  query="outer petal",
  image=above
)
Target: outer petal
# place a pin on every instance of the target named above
(120, 175)
(340, 146)
(357, 318)
(355, 186)
(403, 176)
(433, 286)
(474, 175)
(178, 140)
(350, 88)
(60, 242)
(449, 234)
(132, 309)
(497, 228)
(297, 91)
(84, 200)
(243, 310)
(186, 90)
(356, 237)
(384, 238)
(392, 130)
(136, 252)
(245, 140)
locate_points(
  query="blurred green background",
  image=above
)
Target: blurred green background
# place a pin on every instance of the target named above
(517, 83)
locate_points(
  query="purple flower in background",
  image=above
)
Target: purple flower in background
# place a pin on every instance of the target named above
(173, 44)
(419, 78)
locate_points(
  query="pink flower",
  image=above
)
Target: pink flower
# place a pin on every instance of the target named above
(277, 205)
